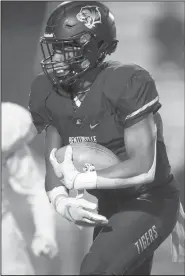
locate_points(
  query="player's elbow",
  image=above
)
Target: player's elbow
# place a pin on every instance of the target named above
(145, 166)
(151, 168)
(151, 175)
(142, 164)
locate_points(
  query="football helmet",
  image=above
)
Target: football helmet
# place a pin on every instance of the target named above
(78, 36)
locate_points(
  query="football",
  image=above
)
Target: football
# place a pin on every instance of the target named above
(89, 155)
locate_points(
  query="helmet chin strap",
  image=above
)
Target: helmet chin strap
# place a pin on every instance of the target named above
(83, 82)
(78, 85)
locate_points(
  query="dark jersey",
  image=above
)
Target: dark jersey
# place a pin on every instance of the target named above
(120, 96)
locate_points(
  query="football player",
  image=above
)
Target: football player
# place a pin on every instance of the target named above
(82, 97)
(22, 172)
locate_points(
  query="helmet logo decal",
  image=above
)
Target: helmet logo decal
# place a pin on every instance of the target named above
(90, 15)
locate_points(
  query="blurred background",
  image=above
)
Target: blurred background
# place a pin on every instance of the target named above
(150, 34)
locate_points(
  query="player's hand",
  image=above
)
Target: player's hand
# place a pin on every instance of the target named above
(66, 170)
(41, 246)
(80, 212)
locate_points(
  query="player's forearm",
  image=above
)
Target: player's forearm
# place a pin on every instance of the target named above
(117, 183)
(51, 180)
(52, 140)
(92, 180)
(122, 175)
(126, 169)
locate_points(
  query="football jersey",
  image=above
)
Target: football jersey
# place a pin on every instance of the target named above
(120, 96)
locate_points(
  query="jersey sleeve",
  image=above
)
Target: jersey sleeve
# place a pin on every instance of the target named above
(37, 104)
(138, 98)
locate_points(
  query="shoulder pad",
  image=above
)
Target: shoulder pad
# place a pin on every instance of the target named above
(132, 91)
(40, 89)
(117, 77)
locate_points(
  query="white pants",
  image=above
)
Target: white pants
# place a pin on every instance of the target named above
(15, 259)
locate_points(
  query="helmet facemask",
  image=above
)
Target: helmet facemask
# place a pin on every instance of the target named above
(73, 62)
(78, 55)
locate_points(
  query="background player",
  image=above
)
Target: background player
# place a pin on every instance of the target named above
(20, 172)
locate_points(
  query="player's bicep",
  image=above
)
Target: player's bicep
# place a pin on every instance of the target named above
(140, 140)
